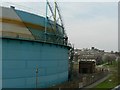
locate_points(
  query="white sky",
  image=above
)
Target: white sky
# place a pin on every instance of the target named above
(87, 23)
(92, 24)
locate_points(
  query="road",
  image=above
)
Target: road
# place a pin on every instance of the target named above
(116, 88)
(99, 81)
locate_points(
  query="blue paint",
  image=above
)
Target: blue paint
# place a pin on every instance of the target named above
(56, 37)
(0, 63)
(20, 58)
(32, 18)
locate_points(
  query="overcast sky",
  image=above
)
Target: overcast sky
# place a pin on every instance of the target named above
(87, 23)
(92, 24)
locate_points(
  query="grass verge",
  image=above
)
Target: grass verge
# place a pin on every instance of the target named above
(112, 81)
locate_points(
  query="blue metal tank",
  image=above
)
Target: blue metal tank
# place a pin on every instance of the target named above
(25, 50)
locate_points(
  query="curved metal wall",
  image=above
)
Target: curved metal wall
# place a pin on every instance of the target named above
(20, 24)
(23, 51)
(20, 58)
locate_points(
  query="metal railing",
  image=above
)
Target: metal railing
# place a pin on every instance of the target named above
(50, 39)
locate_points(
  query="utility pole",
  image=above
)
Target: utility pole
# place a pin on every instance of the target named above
(55, 15)
(36, 76)
(46, 22)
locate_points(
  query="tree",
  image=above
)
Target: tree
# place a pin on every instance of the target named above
(109, 58)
